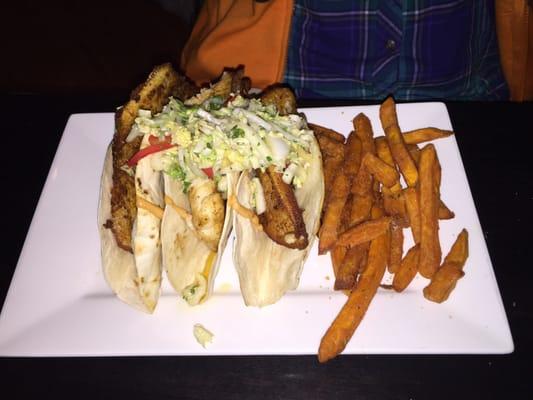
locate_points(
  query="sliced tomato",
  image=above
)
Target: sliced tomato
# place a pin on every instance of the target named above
(155, 146)
(209, 172)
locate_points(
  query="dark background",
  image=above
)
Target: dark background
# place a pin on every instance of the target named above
(89, 47)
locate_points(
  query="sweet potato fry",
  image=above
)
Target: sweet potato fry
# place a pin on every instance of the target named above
(424, 135)
(331, 166)
(437, 172)
(332, 216)
(343, 327)
(352, 155)
(363, 130)
(445, 212)
(383, 150)
(407, 270)
(380, 170)
(384, 153)
(337, 255)
(396, 247)
(444, 280)
(414, 152)
(322, 131)
(360, 208)
(430, 251)
(413, 212)
(394, 206)
(351, 266)
(364, 232)
(459, 251)
(330, 147)
(362, 182)
(389, 120)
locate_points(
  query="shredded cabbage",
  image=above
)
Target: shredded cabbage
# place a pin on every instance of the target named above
(239, 135)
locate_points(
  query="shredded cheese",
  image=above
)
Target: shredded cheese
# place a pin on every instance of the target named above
(150, 207)
(244, 212)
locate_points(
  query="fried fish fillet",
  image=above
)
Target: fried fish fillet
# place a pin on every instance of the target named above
(283, 220)
(282, 97)
(231, 81)
(207, 209)
(152, 95)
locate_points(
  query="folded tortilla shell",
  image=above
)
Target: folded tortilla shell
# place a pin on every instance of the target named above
(267, 270)
(184, 254)
(118, 265)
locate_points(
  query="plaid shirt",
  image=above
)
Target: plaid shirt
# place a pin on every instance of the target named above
(413, 49)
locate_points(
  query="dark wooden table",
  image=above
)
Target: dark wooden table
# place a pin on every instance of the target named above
(495, 141)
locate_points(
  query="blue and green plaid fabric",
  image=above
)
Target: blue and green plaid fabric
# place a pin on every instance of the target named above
(413, 49)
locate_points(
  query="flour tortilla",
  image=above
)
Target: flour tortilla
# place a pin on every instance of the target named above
(134, 277)
(184, 254)
(118, 265)
(266, 269)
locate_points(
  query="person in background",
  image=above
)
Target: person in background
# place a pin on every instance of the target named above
(367, 50)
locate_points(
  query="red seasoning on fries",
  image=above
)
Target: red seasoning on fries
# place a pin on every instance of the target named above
(370, 236)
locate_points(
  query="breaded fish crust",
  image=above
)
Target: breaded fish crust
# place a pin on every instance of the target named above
(152, 95)
(283, 220)
(282, 97)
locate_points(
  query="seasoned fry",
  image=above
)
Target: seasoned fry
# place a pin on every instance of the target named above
(384, 153)
(331, 166)
(364, 232)
(323, 131)
(362, 183)
(443, 282)
(380, 170)
(351, 266)
(337, 255)
(332, 215)
(383, 150)
(389, 120)
(414, 152)
(408, 269)
(413, 211)
(353, 311)
(445, 212)
(437, 172)
(330, 147)
(394, 206)
(363, 130)
(459, 251)
(425, 135)
(445, 279)
(340, 192)
(352, 155)
(360, 208)
(430, 251)
(396, 247)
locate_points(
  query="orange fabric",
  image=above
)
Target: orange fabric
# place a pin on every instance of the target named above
(229, 33)
(514, 20)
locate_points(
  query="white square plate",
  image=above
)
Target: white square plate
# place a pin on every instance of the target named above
(58, 303)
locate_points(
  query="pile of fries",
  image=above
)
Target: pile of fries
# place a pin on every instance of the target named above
(367, 208)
